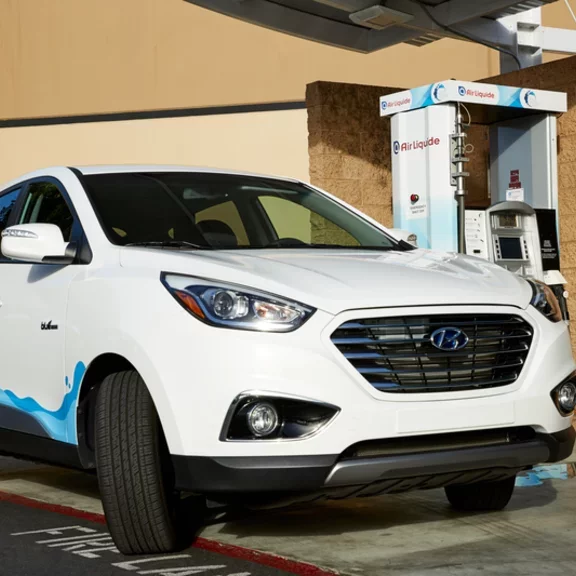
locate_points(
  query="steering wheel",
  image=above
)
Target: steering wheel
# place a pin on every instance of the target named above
(285, 243)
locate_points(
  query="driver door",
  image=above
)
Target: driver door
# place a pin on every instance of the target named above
(34, 389)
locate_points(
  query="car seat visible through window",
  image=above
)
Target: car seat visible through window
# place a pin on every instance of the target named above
(218, 234)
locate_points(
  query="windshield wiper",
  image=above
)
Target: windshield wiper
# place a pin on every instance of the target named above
(171, 244)
(341, 247)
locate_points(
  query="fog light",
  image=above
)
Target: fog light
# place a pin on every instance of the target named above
(262, 419)
(253, 416)
(566, 396)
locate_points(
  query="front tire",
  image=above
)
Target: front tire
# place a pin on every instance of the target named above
(481, 496)
(134, 471)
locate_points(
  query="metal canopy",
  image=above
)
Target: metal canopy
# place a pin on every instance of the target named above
(370, 25)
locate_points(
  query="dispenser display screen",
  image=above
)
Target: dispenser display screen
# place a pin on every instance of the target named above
(511, 248)
(508, 220)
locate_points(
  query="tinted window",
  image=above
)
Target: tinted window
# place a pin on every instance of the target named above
(44, 204)
(296, 221)
(136, 208)
(7, 202)
(222, 224)
(225, 211)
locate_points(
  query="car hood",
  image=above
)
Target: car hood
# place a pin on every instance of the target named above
(338, 280)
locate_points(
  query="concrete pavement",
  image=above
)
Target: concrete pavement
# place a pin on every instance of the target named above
(412, 534)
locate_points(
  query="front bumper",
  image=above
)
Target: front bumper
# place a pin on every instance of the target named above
(482, 457)
(193, 392)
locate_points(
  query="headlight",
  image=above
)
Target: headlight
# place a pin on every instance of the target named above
(230, 306)
(545, 301)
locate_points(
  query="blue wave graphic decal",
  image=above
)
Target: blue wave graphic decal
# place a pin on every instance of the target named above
(56, 422)
(422, 96)
(510, 97)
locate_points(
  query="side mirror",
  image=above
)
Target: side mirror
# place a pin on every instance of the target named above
(37, 243)
(409, 237)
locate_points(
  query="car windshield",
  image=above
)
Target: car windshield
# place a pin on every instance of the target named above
(193, 210)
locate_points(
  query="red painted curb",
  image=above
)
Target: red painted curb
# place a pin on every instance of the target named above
(66, 510)
(230, 550)
(263, 558)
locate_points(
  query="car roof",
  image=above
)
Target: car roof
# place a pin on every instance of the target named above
(123, 168)
(127, 168)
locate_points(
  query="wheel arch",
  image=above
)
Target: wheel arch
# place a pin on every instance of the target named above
(101, 367)
(98, 369)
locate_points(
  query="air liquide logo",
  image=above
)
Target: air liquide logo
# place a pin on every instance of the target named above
(480, 95)
(415, 145)
(438, 92)
(402, 102)
(529, 99)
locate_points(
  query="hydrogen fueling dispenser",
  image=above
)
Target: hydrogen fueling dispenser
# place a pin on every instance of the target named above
(521, 239)
(430, 155)
(507, 234)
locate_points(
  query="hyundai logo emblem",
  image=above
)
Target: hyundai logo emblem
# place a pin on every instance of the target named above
(449, 339)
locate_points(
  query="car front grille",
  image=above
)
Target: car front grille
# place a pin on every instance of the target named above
(396, 355)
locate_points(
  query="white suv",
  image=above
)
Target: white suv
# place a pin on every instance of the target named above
(251, 339)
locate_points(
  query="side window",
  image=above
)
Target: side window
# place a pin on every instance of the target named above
(7, 202)
(291, 220)
(44, 204)
(223, 224)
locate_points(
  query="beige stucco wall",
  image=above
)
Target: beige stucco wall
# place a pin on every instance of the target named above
(90, 56)
(264, 142)
(69, 57)
(557, 16)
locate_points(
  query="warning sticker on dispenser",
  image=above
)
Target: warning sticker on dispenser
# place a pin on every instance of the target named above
(515, 194)
(417, 208)
(514, 180)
